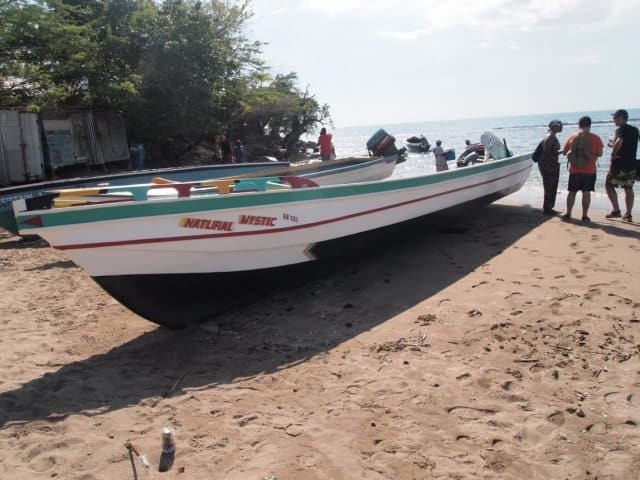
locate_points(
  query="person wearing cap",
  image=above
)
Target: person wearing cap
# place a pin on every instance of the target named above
(622, 171)
(582, 177)
(550, 167)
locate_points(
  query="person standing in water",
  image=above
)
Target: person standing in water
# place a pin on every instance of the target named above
(441, 159)
(324, 141)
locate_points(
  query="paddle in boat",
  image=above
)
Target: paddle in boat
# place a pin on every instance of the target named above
(380, 164)
(182, 174)
(179, 258)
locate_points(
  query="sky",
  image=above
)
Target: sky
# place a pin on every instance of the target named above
(397, 61)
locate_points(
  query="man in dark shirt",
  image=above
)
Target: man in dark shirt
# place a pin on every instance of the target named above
(550, 167)
(622, 172)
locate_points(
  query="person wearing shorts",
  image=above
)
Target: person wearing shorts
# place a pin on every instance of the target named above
(583, 178)
(622, 172)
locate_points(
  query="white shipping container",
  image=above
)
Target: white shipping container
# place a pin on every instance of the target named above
(21, 158)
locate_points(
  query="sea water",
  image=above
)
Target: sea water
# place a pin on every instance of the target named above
(522, 133)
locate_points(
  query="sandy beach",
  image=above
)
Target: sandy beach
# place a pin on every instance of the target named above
(503, 346)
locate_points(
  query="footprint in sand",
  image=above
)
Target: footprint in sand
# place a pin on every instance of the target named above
(556, 418)
(593, 292)
(512, 294)
(536, 274)
(599, 428)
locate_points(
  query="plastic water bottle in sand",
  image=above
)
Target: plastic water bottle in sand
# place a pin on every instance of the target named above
(168, 440)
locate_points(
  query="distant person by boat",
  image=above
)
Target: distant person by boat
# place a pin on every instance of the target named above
(583, 149)
(216, 156)
(441, 159)
(324, 141)
(550, 167)
(227, 150)
(622, 172)
(239, 152)
(471, 154)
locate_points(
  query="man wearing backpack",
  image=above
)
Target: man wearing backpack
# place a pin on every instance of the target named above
(582, 149)
(622, 172)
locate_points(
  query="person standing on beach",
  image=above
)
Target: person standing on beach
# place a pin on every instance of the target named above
(324, 141)
(441, 159)
(238, 151)
(550, 167)
(227, 150)
(622, 172)
(582, 171)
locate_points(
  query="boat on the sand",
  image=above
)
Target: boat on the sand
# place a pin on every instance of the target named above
(179, 258)
(330, 172)
(181, 174)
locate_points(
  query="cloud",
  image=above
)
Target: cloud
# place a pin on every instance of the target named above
(495, 14)
(584, 59)
(405, 34)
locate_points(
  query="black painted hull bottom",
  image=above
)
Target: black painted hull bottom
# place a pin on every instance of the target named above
(175, 300)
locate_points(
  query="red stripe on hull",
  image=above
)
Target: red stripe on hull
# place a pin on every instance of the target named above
(275, 230)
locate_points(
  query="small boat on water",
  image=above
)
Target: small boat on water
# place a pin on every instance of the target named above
(186, 257)
(418, 144)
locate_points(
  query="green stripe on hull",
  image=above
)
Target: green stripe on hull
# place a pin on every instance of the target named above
(150, 208)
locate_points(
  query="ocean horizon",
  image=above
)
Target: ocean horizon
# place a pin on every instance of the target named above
(521, 133)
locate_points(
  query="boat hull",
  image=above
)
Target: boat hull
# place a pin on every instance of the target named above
(417, 147)
(191, 252)
(177, 300)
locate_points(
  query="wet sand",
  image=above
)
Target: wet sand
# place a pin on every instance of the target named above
(499, 346)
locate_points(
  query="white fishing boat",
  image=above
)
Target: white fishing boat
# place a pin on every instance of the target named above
(380, 164)
(180, 174)
(341, 170)
(164, 256)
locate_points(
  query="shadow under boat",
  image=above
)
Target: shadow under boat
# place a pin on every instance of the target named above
(264, 337)
(176, 300)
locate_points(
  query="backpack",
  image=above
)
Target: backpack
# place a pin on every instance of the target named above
(537, 153)
(580, 153)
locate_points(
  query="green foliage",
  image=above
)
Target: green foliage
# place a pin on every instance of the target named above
(180, 70)
(278, 106)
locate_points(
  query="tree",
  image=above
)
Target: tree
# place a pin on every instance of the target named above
(280, 107)
(192, 68)
(179, 70)
(69, 52)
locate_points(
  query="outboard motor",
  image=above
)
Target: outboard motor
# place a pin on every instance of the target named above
(381, 144)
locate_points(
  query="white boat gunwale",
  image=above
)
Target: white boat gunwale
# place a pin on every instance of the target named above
(167, 206)
(278, 230)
